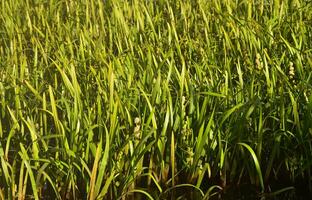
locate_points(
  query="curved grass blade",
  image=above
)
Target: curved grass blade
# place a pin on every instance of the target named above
(184, 185)
(256, 162)
(137, 191)
(209, 194)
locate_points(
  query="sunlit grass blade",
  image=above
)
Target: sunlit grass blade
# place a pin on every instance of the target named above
(95, 169)
(23, 154)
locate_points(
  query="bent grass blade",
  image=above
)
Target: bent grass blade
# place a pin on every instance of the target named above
(256, 162)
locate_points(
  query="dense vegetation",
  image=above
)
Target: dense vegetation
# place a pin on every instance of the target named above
(110, 98)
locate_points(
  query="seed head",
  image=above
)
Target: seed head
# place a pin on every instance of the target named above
(258, 61)
(137, 120)
(291, 70)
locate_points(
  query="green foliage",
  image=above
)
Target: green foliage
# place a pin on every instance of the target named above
(113, 99)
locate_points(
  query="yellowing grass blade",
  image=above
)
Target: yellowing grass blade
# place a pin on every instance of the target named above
(92, 194)
(25, 159)
(172, 158)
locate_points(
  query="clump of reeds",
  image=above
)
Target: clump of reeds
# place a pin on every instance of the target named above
(116, 99)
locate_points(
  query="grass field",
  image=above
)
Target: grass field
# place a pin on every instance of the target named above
(115, 99)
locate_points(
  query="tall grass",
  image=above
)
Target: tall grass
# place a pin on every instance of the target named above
(117, 99)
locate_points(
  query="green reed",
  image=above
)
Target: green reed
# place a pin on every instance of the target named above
(111, 99)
